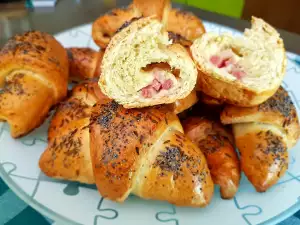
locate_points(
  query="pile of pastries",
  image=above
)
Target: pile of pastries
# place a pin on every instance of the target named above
(164, 110)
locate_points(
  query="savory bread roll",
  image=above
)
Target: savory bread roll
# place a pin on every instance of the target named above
(243, 71)
(68, 153)
(183, 27)
(33, 78)
(263, 134)
(84, 63)
(125, 75)
(158, 8)
(208, 100)
(185, 103)
(144, 152)
(217, 145)
(105, 27)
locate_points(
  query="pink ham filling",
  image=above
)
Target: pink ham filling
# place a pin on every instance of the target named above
(224, 61)
(155, 87)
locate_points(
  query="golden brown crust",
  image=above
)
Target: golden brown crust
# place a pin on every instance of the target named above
(84, 63)
(185, 103)
(178, 161)
(16, 98)
(39, 53)
(68, 153)
(126, 147)
(230, 92)
(263, 151)
(177, 38)
(184, 27)
(278, 110)
(118, 136)
(206, 99)
(158, 8)
(263, 134)
(217, 145)
(107, 25)
(33, 70)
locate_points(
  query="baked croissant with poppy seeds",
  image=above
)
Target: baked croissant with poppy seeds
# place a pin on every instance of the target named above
(68, 153)
(263, 134)
(33, 78)
(123, 151)
(144, 152)
(217, 144)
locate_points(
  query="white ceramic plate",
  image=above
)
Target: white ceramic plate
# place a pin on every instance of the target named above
(74, 203)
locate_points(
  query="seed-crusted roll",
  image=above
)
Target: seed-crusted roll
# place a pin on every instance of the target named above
(33, 77)
(263, 134)
(144, 152)
(68, 152)
(216, 143)
(131, 67)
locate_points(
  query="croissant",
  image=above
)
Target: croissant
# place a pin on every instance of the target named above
(183, 104)
(84, 63)
(208, 100)
(33, 78)
(144, 152)
(158, 8)
(125, 75)
(183, 27)
(68, 153)
(105, 27)
(263, 134)
(243, 71)
(138, 151)
(217, 145)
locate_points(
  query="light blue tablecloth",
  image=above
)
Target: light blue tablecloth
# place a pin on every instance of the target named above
(13, 211)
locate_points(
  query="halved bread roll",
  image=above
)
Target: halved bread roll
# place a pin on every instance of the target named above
(132, 53)
(243, 71)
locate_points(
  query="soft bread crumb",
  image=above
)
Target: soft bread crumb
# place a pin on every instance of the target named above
(259, 53)
(142, 43)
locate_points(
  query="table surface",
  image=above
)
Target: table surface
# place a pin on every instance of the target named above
(71, 13)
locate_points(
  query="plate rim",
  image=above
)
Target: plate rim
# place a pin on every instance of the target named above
(44, 210)
(47, 212)
(59, 218)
